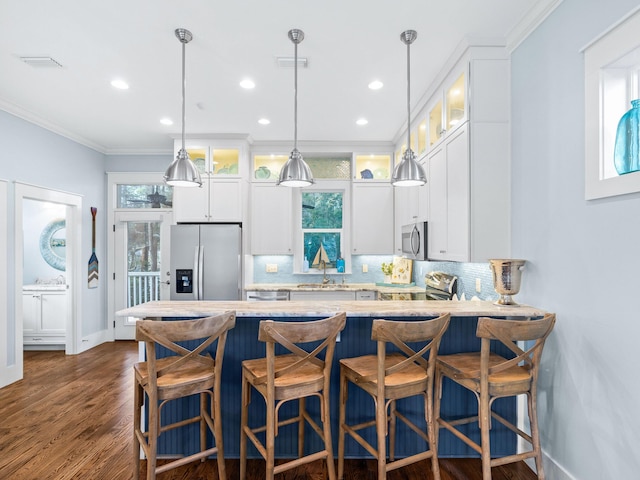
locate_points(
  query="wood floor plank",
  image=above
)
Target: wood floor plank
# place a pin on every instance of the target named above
(70, 418)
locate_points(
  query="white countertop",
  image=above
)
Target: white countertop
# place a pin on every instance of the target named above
(348, 287)
(367, 308)
(44, 287)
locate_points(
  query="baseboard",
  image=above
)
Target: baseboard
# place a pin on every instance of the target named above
(93, 340)
(552, 469)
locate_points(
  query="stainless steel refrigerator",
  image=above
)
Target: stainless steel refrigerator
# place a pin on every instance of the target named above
(206, 262)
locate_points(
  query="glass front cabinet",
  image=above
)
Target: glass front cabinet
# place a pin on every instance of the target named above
(219, 199)
(449, 109)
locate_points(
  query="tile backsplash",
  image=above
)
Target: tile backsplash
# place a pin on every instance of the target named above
(467, 273)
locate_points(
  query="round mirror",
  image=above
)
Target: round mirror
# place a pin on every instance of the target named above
(53, 241)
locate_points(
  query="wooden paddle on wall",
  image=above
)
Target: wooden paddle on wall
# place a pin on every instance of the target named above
(93, 260)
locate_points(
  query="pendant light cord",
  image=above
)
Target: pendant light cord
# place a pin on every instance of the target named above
(295, 96)
(184, 84)
(408, 97)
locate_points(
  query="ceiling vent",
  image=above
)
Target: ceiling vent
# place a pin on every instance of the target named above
(289, 62)
(41, 62)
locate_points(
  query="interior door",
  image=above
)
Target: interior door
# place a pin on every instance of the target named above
(141, 263)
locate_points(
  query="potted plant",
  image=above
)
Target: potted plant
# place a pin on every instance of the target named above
(387, 270)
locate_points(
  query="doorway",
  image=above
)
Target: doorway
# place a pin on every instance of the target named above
(141, 263)
(71, 204)
(140, 210)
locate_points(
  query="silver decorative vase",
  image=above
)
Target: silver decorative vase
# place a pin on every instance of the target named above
(507, 274)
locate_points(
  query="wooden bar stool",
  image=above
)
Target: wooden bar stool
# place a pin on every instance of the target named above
(302, 373)
(388, 377)
(491, 376)
(191, 371)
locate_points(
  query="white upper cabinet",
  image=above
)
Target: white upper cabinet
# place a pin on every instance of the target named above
(271, 219)
(221, 196)
(410, 206)
(468, 160)
(372, 219)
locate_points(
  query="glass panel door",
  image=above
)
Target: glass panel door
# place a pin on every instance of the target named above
(142, 264)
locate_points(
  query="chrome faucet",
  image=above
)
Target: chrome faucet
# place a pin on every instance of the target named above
(325, 279)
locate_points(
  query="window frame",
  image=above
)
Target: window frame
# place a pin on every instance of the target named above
(342, 186)
(600, 57)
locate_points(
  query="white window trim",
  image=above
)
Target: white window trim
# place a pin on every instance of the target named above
(343, 186)
(615, 42)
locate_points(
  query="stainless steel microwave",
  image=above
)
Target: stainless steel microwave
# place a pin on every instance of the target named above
(414, 241)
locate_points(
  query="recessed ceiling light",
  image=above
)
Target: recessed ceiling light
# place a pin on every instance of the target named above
(264, 121)
(362, 121)
(119, 84)
(247, 83)
(376, 85)
(166, 121)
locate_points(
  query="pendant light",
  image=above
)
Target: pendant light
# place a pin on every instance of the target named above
(182, 172)
(408, 172)
(295, 173)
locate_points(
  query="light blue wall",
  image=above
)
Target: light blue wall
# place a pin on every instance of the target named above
(34, 155)
(37, 216)
(583, 259)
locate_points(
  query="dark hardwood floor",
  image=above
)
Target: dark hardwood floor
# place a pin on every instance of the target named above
(70, 418)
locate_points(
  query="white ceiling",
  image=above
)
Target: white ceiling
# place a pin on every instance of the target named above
(348, 43)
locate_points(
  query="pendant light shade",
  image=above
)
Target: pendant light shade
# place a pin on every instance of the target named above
(182, 172)
(408, 172)
(296, 172)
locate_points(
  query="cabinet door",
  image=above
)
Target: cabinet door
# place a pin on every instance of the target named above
(437, 228)
(458, 206)
(225, 200)
(372, 219)
(54, 312)
(449, 235)
(191, 204)
(271, 220)
(410, 206)
(30, 311)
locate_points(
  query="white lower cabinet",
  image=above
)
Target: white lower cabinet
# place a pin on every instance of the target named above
(44, 316)
(333, 295)
(271, 219)
(322, 295)
(372, 219)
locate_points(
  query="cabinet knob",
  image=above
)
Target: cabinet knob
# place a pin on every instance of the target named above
(443, 251)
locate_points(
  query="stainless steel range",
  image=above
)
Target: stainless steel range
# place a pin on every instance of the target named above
(440, 286)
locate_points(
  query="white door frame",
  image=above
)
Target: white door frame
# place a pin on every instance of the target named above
(121, 218)
(73, 226)
(113, 180)
(8, 368)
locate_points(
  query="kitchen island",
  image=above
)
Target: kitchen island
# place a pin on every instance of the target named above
(355, 340)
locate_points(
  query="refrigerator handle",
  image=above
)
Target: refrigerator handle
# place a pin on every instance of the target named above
(201, 273)
(196, 273)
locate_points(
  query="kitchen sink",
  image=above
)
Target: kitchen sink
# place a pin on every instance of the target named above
(321, 285)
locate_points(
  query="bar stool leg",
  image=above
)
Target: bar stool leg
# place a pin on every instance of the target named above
(432, 432)
(216, 415)
(535, 432)
(392, 431)
(344, 393)
(138, 395)
(154, 419)
(485, 425)
(326, 427)
(246, 399)
(381, 430)
(301, 410)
